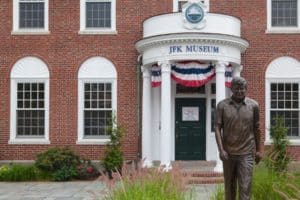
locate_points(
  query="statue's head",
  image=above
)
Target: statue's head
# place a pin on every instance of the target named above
(238, 88)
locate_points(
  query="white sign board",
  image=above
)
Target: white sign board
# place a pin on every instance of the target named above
(190, 113)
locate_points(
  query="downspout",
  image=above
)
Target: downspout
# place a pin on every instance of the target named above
(139, 104)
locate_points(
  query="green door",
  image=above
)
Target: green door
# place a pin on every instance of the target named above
(190, 141)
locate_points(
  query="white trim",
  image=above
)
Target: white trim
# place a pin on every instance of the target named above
(30, 31)
(277, 72)
(175, 4)
(98, 70)
(84, 30)
(280, 30)
(28, 69)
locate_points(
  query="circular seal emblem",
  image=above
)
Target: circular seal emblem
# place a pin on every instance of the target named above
(194, 13)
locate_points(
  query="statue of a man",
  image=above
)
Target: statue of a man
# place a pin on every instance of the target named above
(238, 138)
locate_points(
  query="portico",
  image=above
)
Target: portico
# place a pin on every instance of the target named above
(169, 39)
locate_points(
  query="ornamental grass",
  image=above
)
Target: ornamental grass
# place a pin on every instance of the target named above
(138, 183)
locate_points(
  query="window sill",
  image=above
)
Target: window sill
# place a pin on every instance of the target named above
(29, 141)
(92, 141)
(30, 32)
(293, 142)
(97, 32)
(283, 31)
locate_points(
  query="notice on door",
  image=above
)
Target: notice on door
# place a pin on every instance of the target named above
(190, 113)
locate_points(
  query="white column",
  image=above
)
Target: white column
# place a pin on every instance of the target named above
(236, 72)
(165, 135)
(220, 95)
(146, 117)
(156, 100)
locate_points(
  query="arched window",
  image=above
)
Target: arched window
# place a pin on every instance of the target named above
(29, 100)
(97, 100)
(282, 96)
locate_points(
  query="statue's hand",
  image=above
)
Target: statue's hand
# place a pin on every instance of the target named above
(258, 157)
(223, 155)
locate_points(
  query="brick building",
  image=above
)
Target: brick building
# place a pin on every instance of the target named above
(66, 66)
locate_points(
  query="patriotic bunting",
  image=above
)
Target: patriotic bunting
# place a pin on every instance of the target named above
(190, 74)
(228, 76)
(155, 76)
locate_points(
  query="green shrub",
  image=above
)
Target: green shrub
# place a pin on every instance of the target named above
(113, 158)
(86, 170)
(66, 173)
(59, 161)
(278, 158)
(18, 172)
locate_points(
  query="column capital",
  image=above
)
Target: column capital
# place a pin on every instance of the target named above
(220, 66)
(165, 66)
(146, 71)
(237, 70)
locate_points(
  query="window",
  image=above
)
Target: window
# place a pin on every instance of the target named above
(30, 109)
(97, 16)
(285, 103)
(177, 4)
(282, 96)
(283, 16)
(180, 89)
(97, 108)
(96, 100)
(30, 16)
(29, 102)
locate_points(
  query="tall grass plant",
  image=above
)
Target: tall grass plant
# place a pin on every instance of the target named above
(148, 184)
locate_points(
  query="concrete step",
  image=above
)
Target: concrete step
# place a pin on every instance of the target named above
(199, 172)
(205, 180)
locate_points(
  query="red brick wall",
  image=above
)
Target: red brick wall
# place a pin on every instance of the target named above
(64, 50)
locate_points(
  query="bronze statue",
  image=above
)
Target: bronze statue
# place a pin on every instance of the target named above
(238, 138)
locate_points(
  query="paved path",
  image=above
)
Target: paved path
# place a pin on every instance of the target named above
(78, 190)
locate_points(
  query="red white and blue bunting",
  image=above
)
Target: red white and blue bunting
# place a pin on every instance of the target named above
(228, 76)
(190, 74)
(155, 76)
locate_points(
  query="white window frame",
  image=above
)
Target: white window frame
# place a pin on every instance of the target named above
(175, 4)
(279, 30)
(29, 31)
(275, 73)
(28, 69)
(84, 30)
(97, 70)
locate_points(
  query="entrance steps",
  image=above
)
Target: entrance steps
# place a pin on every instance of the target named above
(199, 172)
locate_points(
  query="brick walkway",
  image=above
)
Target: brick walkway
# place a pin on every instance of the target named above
(78, 190)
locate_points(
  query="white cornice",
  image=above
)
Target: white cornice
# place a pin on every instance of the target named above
(227, 40)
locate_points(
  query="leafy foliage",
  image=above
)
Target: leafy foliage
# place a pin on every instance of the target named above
(66, 173)
(86, 170)
(278, 158)
(62, 162)
(113, 158)
(18, 172)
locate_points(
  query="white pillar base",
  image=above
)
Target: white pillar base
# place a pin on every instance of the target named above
(166, 166)
(147, 163)
(219, 166)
